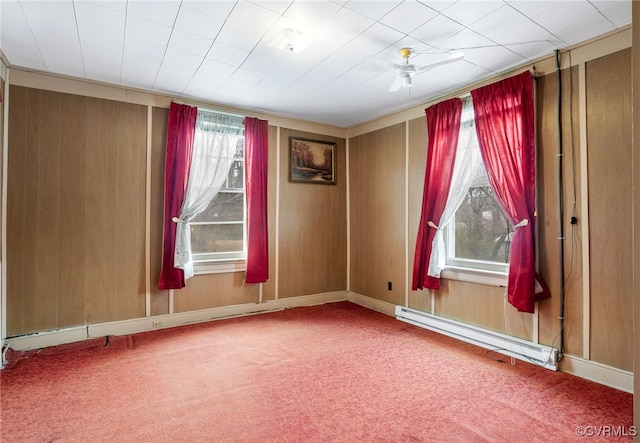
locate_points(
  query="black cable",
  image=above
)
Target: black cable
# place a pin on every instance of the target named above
(560, 209)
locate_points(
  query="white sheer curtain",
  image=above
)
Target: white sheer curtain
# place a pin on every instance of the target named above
(467, 168)
(214, 147)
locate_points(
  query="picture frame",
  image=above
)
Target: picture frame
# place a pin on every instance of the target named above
(312, 161)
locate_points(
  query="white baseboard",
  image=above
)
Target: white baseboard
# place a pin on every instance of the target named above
(594, 371)
(124, 327)
(372, 303)
(597, 372)
(590, 370)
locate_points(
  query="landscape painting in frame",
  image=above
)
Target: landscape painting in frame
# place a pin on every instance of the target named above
(312, 161)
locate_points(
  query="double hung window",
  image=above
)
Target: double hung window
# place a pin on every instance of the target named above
(477, 234)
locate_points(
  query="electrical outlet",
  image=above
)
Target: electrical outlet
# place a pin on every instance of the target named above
(157, 324)
(389, 286)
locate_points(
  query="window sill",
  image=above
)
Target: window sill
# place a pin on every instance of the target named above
(490, 278)
(218, 266)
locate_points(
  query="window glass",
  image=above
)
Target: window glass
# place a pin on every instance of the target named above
(218, 232)
(478, 236)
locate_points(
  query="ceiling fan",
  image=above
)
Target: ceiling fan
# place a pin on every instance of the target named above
(406, 71)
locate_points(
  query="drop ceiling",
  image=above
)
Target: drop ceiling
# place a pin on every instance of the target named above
(232, 52)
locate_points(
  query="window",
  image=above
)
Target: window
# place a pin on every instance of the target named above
(478, 234)
(218, 239)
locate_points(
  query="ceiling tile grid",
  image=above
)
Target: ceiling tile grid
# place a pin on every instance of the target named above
(250, 53)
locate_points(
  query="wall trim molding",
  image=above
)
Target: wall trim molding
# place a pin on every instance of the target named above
(598, 372)
(372, 303)
(89, 88)
(144, 324)
(587, 369)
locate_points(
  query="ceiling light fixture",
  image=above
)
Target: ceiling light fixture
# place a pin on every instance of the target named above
(291, 40)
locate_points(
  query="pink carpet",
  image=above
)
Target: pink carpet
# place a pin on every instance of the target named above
(331, 373)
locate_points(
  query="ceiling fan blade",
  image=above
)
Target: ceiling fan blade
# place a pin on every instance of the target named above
(397, 83)
(454, 58)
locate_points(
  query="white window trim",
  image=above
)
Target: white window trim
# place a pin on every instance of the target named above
(471, 275)
(219, 266)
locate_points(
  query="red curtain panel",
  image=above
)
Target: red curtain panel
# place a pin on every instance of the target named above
(505, 126)
(443, 129)
(256, 166)
(181, 128)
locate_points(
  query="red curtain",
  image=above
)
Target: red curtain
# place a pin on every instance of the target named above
(504, 118)
(256, 169)
(181, 128)
(443, 129)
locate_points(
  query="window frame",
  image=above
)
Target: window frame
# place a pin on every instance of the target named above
(470, 270)
(225, 262)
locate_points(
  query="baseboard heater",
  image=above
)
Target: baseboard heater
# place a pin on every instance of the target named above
(504, 344)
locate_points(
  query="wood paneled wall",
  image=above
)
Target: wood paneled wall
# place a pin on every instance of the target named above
(77, 218)
(377, 209)
(313, 227)
(75, 221)
(377, 177)
(548, 213)
(608, 83)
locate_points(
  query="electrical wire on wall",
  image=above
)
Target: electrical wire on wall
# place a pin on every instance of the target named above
(573, 220)
(560, 208)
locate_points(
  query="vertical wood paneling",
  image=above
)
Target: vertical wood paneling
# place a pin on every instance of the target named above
(269, 287)
(377, 177)
(48, 215)
(159, 298)
(547, 201)
(312, 228)
(76, 198)
(73, 210)
(16, 193)
(214, 290)
(30, 241)
(610, 203)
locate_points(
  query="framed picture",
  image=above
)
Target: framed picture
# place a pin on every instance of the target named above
(312, 161)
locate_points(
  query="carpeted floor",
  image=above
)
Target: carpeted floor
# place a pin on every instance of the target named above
(330, 373)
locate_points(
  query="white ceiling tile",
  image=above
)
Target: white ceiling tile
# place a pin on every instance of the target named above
(139, 71)
(219, 50)
(265, 59)
(372, 9)
(469, 12)
(215, 67)
(348, 24)
(377, 38)
(464, 40)
(552, 14)
(190, 62)
(109, 4)
(616, 11)
(275, 82)
(277, 6)
(195, 22)
(504, 24)
(238, 85)
(584, 28)
(227, 53)
(217, 8)
(158, 11)
(493, 59)
(437, 30)
(187, 42)
(408, 16)
(17, 39)
(311, 13)
(204, 84)
(246, 27)
(172, 78)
